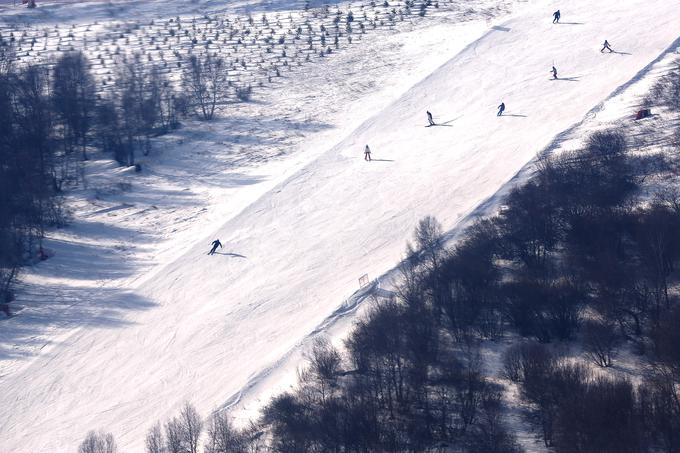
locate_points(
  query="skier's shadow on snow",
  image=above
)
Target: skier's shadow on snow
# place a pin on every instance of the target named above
(570, 23)
(622, 53)
(516, 115)
(235, 255)
(445, 123)
(568, 79)
(499, 28)
(382, 160)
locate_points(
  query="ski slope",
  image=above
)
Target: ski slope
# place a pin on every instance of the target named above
(295, 254)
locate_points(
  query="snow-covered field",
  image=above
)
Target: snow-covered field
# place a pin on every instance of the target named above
(104, 9)
(130, 318)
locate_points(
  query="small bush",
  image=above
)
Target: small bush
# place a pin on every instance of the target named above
(244, 94)
(600, 342)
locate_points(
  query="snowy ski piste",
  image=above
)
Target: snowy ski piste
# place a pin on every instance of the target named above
(294, 255)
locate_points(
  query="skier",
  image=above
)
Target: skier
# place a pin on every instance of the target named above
(367, 153)
(606, 46)
(556, 16)
(501, 109)
(216, 243)
(429, 119)
(554, 73)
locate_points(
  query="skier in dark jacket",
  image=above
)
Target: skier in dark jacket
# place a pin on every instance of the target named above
(554, 72)
(216, 243)
(367, 153)
(501, 109)
(429, 119)
(556, 17)
(606, 45)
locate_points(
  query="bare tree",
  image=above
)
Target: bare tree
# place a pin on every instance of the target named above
(324, 366)
(98, 442)
(192, 425)
(162, 106)
(183, 432)
(205, 79)
(174, 436)
(73, 95)
(136, 116)
(658, 248)
(222, 436)
(428, 240)
(154, 440)
(110, 133)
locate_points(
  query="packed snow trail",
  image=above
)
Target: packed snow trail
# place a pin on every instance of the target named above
(291, 257)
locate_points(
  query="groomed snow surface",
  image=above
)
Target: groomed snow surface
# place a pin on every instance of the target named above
(191, 327)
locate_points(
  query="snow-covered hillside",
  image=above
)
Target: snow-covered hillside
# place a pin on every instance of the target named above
(199, 327)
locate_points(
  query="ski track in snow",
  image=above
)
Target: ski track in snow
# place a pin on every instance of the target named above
(213, 330)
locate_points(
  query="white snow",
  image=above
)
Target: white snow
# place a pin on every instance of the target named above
(144, 336)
